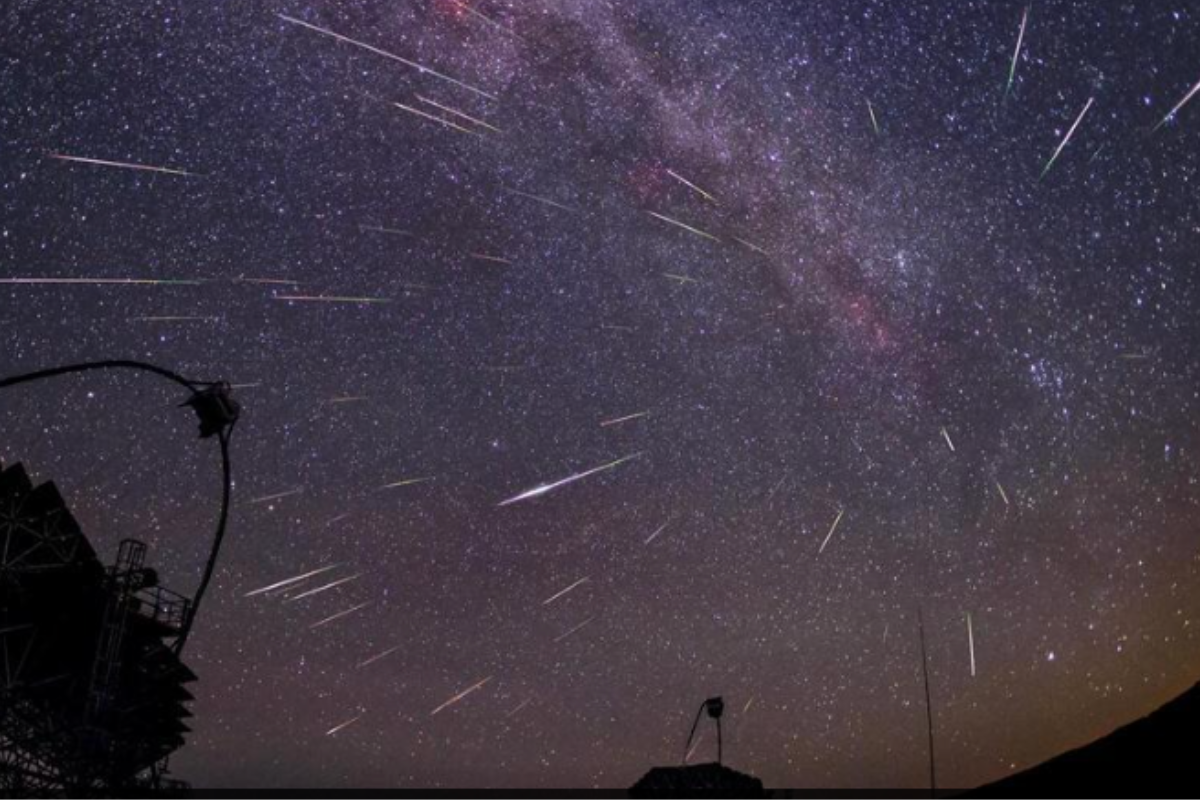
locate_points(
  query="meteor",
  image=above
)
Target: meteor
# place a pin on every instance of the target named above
(1012, 69)
(461, 695)
(1003, 494)
(97, 282)
(946, 436)
(378, 657)
(545, 488)
(405, 482)
(337, 401)
(683, 225)
(751, 246)
(324, 298)
(269, 497)
(554, 597)
(971, 642)
(627, 418)
(518, 708)
(324, 588)
(749, 703)
(289, 581)
(458, 114)
(693, 187)
(832, 528)
(436, 119)
(1178, 106)
(874, 122)
(381, 229)
(338, 615)
(123, 165)
(419, 67)
(574, 630)
(543, 200)
(265, 281)
(680, 278)
(654, 535)
(486, 257)
(173, 319)
(1066, 138)
(776, 488)
(344, 725)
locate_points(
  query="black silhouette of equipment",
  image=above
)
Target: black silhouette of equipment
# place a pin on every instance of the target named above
(715, 707)
(217, 412)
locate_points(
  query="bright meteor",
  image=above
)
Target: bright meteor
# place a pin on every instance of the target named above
(546, 488)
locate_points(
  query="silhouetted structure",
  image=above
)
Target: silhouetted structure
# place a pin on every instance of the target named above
(1155, 756)
(715, 707)
(91, 690)
(698, 780)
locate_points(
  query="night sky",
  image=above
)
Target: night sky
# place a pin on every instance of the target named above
(892, 362)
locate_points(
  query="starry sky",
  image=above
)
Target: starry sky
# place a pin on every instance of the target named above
(793, 278)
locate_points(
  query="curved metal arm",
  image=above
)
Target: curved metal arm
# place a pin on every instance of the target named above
(223, 434)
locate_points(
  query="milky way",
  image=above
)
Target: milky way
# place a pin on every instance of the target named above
(808, 260)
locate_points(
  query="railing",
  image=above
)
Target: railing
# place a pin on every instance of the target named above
(164, 606)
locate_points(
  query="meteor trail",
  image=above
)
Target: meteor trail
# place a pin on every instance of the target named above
(173, 319)
(1003, 494)
(683, 225)
(436, 119)
(971, 642)
(554, 597)
(381, 229)
(518, 708)
(289, 581)
(269, 497)
(654, 535)
(123, 165)
(775, 488)
(946, 436)
(543, 200)
(627, 418)
(749, 703)
(574, 630)
(420, 68)
(344, 725)
(693, 187)
(874, 122)
(1012, 69)
(1066, 138)
(337, 401)
(458, 114)
(98, 282)
(545, 488)
(486, 257)
(405, 482)
(461, 695)
(1179, 105)
(324, 588)
(680, 278)
(832, 528)
(751, 246)
(378, 657)
(323, 298)
(338, 615)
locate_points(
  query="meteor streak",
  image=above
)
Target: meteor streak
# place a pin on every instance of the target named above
(123, 165)
(436, 119)
(269, 497)
(1178, 106)
(289, 581)
(946, 436)
(751, 246)
(554, 597)
(683, 225)
(680, 278)
(574, 630)
(458, 114)
(378, 657)
(832, 528)
(461, 695)
(518, 708)
(419, 67)
(1012, 69)
(381, 229)
(338, 615)
(337, 401)
(344, 725)
(324, 298)
(874, 122)
(627, 418)
(1003, 494)
(971, 642)
(324, 588)
(693, 187)
(173, 319)
(1067, 138)
(98, 282)
(545, 488)
(659, 530)
(543, 200)
(405, 482)
(486, 257)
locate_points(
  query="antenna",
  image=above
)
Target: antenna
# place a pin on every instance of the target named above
(715, 706)
(928, 704)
